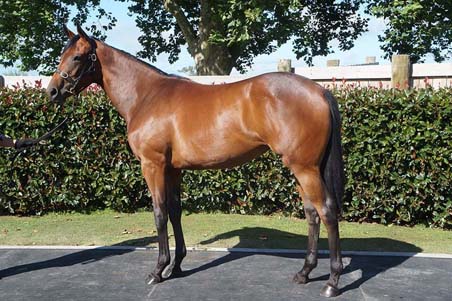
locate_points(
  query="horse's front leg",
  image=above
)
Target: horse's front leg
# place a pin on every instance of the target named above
(154, 174)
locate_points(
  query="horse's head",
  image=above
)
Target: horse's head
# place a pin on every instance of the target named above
(78, 66)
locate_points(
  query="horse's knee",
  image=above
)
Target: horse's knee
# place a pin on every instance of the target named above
(161, 218)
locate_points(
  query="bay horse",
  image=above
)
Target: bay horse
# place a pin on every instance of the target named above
(174, 123)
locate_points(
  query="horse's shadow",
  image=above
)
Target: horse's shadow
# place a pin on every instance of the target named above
(80, 257)
(271, 238)
(265, 237)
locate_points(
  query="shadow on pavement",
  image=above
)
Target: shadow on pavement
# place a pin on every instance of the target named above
(369, 268)
(79, 257)
(247, 239)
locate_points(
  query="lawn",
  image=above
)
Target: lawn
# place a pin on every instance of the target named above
(204, 230)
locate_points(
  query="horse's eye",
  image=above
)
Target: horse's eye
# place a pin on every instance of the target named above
(77, 58)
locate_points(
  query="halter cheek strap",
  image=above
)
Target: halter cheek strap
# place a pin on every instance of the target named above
(86, 70)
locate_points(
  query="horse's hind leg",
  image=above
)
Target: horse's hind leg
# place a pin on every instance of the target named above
(315, 193)
(313, 237)
(175, 214)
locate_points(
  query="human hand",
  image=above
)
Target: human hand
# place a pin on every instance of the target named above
(24, 143)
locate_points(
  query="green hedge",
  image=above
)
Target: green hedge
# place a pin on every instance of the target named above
(86, 166)
(398, 149)
(397, 144)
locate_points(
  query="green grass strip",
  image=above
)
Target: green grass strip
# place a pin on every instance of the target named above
(213, 230)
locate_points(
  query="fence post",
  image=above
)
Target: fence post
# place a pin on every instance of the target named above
(401, 71)
(333, 63)
(371, 60)
(285, 65)
(2, 81)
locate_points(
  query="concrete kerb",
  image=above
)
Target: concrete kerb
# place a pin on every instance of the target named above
(234, 250)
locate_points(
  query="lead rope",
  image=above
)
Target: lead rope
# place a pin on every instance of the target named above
(29, 143)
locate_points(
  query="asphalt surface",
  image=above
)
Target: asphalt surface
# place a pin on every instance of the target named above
(120, 275)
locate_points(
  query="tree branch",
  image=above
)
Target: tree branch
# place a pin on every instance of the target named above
(205, 20)
(173, 8)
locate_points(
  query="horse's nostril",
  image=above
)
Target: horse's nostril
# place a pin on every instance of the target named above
(53, 92)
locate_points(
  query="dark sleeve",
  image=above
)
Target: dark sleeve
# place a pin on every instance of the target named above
(2, 137)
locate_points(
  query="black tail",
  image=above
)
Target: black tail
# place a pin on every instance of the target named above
(333, 163)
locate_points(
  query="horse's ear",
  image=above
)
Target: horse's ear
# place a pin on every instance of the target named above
(82, 33)
(69, 33)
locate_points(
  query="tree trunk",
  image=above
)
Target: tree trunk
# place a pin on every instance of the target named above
(210, 59)
(213, 60)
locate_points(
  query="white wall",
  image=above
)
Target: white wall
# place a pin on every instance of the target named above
(439, 75)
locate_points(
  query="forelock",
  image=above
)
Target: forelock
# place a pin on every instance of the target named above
(71, 42)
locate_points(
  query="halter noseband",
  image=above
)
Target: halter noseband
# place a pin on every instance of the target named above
(86, 70)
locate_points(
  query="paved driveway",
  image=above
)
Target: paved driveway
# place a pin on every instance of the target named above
(119, 275)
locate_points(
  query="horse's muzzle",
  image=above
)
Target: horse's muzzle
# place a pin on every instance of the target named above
(57, 95)
(53, 93)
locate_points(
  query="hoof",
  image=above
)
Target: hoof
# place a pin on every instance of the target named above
(172, 271)
(298, 278)
(329, 291)
(153, 279)
(167, 271)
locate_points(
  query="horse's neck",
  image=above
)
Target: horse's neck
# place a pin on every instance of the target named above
(121, 78)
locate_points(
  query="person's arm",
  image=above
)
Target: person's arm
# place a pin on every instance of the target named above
(6, 141)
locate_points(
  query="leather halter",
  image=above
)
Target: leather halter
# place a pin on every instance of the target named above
(87, 69)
